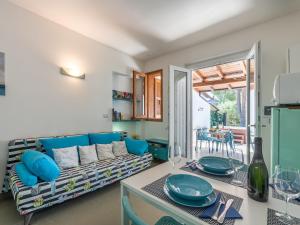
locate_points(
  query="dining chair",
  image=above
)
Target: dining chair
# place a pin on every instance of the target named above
(135, 220)
(202, 136)
(227, 140)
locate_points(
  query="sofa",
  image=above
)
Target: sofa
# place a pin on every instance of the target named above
(71, 183)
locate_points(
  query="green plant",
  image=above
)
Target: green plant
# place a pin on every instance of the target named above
(229, 104)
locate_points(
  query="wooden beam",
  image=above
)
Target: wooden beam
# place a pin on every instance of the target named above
(229, 86)
(212, 78)
(195, 76)
(216, 82)
(223, 87)
(234, 75)
(199, 75)
(220, 72)
(243, 67)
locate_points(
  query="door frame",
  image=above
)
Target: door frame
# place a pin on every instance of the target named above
(253, 52)
(189, 102)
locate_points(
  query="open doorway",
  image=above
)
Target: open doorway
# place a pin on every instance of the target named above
(222, 93)
(211, 86)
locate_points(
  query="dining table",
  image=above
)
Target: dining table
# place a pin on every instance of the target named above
(253, 212)
(217, 133)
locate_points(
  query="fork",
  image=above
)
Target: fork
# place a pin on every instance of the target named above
(216, 214)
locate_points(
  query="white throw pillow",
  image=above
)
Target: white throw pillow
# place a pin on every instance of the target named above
(119, 148)
(87, 154)
(105, 151)
(66, 157)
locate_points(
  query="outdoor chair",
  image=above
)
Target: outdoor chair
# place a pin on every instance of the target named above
(202, 136)
(227, 140)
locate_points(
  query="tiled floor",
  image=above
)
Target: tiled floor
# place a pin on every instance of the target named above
(101, 207)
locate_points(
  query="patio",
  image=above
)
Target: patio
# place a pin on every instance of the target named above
(220, 98)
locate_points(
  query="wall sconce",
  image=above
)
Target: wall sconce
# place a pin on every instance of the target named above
(72, 72)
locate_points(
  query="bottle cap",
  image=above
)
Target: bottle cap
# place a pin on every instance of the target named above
(257, 140)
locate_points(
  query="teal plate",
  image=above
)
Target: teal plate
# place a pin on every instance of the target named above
(188, 187)
(226, 173)
(205, 202)
(215, 164)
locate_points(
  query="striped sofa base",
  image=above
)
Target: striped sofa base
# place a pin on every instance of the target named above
(71, 183)
(75, 182)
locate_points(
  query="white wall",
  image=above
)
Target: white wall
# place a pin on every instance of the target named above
(39, 101)
(2, 68)
(294, 59)
(2, 78)
(201, 112)
(276, 36)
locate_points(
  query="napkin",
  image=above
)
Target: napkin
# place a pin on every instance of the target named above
(192, 165)
(232, 213)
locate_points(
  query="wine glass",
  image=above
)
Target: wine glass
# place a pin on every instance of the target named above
(236, 160)
(286, 182)
(174, 156)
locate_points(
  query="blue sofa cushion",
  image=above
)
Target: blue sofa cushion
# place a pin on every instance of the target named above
(40, 165)
(27, 178)
(64, 142)
(137, 147)
(104, 138)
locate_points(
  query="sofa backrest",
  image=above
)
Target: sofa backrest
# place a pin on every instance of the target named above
(18, 146)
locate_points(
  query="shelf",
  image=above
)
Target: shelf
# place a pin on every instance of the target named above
(122, 99)
(125, 120)
(121, 96)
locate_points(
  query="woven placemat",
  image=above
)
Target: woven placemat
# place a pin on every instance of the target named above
(241, 175)
(273, 219)
(156, 189)
(278, 196)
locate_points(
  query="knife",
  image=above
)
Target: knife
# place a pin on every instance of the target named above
(216, 213)
(223, 214)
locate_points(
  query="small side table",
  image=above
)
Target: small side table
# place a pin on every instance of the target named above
(159, 148)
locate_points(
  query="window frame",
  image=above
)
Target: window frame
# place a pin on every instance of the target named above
(161, 105)
(146, 93)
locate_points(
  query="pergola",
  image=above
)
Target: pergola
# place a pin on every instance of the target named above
(226, 76)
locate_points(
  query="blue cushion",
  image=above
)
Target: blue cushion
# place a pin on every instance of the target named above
(104, 138)
(137, 147)
(64, 142)
(40, 165)
(25, 176)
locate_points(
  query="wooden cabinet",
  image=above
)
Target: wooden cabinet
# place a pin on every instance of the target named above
(159, 148)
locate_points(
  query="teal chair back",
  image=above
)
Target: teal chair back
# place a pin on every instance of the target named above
(229, 138)
(202, 134)
(135, 220)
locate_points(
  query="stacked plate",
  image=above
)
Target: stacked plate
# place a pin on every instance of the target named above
(216, 165)
(189, 190)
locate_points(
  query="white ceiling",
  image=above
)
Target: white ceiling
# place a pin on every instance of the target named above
(149, 28)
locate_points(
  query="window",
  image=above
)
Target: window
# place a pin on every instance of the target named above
(147, 95)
